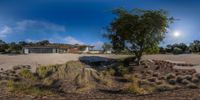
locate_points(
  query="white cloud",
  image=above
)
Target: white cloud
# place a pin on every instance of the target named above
(72, 40)
(4, 31)
(38, 26)
(98, 45)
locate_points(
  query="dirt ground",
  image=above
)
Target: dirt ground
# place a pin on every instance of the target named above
(35, 60)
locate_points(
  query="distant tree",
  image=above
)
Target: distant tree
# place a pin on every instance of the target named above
(138, 30)
(107, 47)
(195, 46)
(152, 50)
(162, 50)
(3, 46)
(23, 43)
(42, 43)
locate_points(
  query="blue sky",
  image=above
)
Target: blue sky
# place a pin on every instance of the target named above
(84, 21)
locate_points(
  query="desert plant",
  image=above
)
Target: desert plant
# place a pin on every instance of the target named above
(192, 86)
(163, 87)
(179, 79)
(133, 87)
(170, 76)
(185, 82)
(156, 74)
(188, 77)
(152, 79)
(121, 70)
(172, 81)
(197, 75)
(27, 74)
(195, 80)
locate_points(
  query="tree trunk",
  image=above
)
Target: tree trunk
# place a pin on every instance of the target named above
(138, 57)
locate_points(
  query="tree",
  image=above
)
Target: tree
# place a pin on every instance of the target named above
(42, 43)
(195, 46)
(107, 47)
(3, 46)
(138, 30)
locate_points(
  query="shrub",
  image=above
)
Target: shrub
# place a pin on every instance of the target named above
(26, 89)
(163, 87)
(48, 81)
(185, 82)
(197, 75)
(172, 81)
(42, 71)
(156, 74)
(149, 72)
(188, 77)
(152, 79)
(10, 85)
(27, 74)
(170, 76)
(195, 80)
(134, 87)
(192, 86)
(111, 71)
(179, 79)
(121, 70)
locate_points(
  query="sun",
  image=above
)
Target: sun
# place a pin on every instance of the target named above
(176, 34)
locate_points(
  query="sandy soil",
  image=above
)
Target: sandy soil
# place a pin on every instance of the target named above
(35, 60)
(187, 58)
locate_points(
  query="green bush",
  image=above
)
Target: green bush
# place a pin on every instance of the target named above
(177, 51)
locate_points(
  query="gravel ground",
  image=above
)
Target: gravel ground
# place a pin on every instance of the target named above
(8, 61)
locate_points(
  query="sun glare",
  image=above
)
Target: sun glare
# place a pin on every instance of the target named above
(176, 34)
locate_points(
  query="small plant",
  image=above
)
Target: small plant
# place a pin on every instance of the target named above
(10, 85)
(185, 82)
(156, 74)
(192, 86)
(188, 77)
(153, 79)
(27, 74)
(195, 80)
(42, 71)
(197, 75)
(48, 81)
(172, 81)
(134, 87)
(179, 79)
(170, 76)
(164, 87)
(121, 70)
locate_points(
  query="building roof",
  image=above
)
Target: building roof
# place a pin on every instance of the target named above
(56, 45)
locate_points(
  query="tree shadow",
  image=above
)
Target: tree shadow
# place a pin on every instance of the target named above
(97, 62)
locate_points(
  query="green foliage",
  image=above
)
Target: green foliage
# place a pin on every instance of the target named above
(177, 51)
(27, 74)
(153, 50)
(138, 30)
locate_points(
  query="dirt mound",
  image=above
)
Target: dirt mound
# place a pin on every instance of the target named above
(71, 77)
